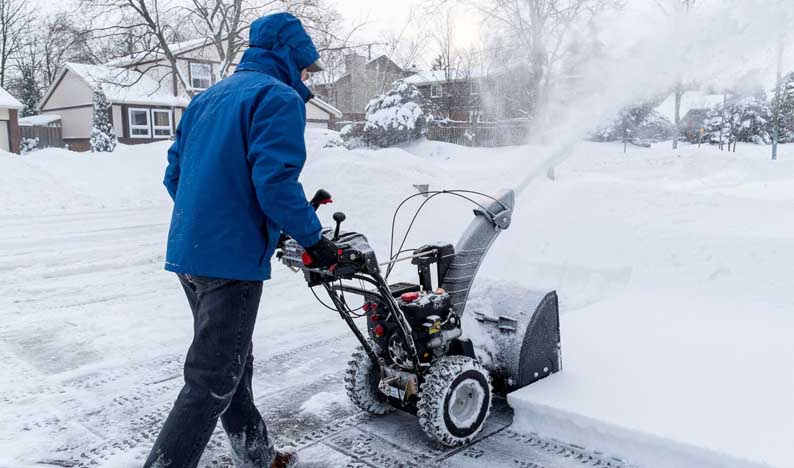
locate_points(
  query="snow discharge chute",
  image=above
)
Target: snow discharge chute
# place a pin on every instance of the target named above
(525, 335)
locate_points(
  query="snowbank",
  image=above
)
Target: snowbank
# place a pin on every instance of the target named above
(56, 180)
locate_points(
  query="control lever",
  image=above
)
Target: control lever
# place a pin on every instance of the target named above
(321, 197)
(338, 217)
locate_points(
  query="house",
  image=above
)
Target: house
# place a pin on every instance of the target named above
(475, 95)
(320, 114)
(197, 60)
(9, 123)
(453, 96)
(147, 99)
(350, 87)
(142, 111)
(693, 111)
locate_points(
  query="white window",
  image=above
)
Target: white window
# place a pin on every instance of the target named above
(435, 91)
(139, 123)
(475, 88)
(200, 75)
(161, 123)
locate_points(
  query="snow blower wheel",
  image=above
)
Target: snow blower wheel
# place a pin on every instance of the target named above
(361, 383)
(413, 355)
(454, 401)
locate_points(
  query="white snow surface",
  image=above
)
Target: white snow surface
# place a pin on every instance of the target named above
(673, 270)
(8, 101)
(126, 86)
(39, 120)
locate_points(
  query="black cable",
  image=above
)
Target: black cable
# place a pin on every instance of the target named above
(432, 194)
(321, 301)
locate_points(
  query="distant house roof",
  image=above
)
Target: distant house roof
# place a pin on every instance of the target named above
(121, 85)
(41, 120)
(690, 100)
(7, 101)
(425, 77)
(334, 73)
(324, 106)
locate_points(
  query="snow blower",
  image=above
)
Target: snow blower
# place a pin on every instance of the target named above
(413, 355)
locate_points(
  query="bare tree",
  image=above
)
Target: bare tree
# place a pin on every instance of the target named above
(538, 30)
(224, 22)
(15, 18)
(780, 97)
(676, 11)
(148, 22)
(61, 40)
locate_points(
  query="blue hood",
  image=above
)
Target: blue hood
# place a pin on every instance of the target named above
(279, 46)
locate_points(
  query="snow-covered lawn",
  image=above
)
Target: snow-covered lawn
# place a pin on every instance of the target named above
(673, 269)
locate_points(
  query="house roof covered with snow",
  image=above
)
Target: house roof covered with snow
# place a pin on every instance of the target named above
(7, 101)
(41, 120)
(425, 77)
(690, 100)
(123, 86)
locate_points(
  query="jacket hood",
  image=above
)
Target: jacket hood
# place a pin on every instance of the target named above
(279, 46)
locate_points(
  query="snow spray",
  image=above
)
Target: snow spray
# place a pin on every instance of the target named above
(719, 44)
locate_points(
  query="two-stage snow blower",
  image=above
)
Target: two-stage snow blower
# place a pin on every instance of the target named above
(414, 355)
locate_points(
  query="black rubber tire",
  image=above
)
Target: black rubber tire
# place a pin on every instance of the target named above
(361, 383)
(433, 408)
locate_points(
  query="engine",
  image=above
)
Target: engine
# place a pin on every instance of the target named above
(433, 326)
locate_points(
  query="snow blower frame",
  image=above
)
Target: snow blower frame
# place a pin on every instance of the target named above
(414, 356)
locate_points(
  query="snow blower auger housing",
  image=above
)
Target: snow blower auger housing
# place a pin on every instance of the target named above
(413, 355)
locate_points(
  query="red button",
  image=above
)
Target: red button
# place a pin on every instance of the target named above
(409, 296)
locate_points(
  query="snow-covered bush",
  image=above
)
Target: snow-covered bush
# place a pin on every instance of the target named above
(28, 144)
(103, 137)
(745, 119)
(642, 122)
(399, 115)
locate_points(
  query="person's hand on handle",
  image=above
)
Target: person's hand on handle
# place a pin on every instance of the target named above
(323, 254)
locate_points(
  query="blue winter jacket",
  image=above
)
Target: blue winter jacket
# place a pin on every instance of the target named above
(233, 169)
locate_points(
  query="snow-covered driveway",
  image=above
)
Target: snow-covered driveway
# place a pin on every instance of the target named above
(90, 375)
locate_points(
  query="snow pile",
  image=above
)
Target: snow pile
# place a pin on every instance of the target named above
(56, 180)
(41, 120)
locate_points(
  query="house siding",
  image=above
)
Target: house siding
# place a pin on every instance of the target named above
(70, 91)
(75, 121)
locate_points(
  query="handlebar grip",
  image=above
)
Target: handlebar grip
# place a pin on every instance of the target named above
(321, 197)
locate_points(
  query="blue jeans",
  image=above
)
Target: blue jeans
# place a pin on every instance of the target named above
(218, 370)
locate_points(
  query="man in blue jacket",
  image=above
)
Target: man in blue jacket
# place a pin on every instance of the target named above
(233, 174)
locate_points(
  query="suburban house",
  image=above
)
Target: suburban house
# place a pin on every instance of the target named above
(474, 95)
(141, 110)
(693, 111)
(350, 87)
(147, 100)
(9, 123)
